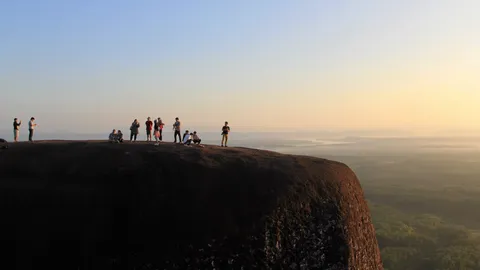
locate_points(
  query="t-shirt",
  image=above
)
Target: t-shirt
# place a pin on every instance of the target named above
(155, 124)
(16, 125)
(186, 138)
(225, 129)
(31, 125)
(177, 125)
(149, 125)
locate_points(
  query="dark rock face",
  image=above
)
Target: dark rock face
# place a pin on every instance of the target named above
(91, 205)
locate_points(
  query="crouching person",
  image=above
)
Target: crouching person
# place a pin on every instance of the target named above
(112, 138)
(120, 136)
(196, 139)
(187, 138)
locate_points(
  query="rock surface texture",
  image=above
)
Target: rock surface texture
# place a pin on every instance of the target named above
(95, 205)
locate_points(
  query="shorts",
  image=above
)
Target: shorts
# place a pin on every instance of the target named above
(149, 132)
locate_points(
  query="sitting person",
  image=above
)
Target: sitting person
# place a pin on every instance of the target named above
(196, 139)
(120, 136)
(187, 138)
(113, 136)
(185, 134)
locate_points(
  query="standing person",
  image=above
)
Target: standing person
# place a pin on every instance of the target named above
(155, 129)
(31, 128)
(16, 129)
(176, 128)
(160, 128)
(134, 130)
(225, 131)
(148, 127)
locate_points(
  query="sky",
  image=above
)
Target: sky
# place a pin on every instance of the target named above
(270, 65)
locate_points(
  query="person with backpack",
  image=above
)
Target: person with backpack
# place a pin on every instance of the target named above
(16, 129)
(134, 130)
(149, 127)
(176, 128)
(225, 131)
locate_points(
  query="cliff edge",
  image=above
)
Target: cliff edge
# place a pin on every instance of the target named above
(95, 205)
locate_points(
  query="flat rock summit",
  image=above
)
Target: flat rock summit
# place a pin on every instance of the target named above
(96, 205)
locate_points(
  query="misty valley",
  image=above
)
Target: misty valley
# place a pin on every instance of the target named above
(424, 201)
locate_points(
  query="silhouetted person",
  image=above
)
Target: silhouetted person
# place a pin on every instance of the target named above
(149, 127)
(31, 128)
(134, 130)
(225, 131)
(176, 128)
(16, 129)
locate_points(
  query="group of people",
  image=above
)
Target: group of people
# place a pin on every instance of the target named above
(16, 129)
(156, 128)
(115, 136)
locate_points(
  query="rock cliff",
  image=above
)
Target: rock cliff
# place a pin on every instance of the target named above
(95, 205)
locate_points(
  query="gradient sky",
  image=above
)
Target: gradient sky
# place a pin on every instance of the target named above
(90, 65)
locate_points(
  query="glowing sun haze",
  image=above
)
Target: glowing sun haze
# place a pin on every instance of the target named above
(281, 65)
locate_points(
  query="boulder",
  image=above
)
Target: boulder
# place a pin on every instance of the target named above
(95, 205)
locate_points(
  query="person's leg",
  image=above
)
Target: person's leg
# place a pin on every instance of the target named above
(135, 137)
(160, 137)
(177, 133)
(131, 136)
(30, 135)
(226, 139)
(15, 135)
(223, 138)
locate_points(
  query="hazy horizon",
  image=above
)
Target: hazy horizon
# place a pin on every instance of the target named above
(90, 66)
